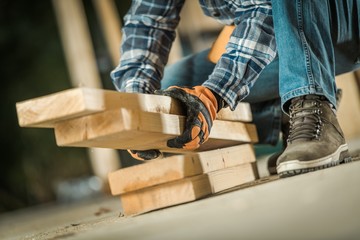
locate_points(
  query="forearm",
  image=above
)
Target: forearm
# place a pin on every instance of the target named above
(148, 34)
(250, 49)
(142, 59)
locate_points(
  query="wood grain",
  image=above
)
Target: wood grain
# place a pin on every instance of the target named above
(137, 130)
(242, 113)
(176, 167)
(47, 110)
(185, 190)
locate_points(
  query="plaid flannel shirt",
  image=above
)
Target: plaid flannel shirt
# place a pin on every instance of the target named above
(149, 30)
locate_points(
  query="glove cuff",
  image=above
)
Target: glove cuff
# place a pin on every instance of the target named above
(220, 102)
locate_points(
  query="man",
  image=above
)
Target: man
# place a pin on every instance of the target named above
(315, 40)
(250, 57)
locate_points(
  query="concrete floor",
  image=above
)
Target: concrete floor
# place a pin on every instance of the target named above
(318, 205)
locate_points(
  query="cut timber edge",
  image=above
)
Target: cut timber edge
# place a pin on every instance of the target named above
(122, 129)
(176, 167)
(185, 190)
(47, 110)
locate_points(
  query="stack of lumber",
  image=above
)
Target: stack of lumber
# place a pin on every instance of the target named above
(89, 117)
(182, 178)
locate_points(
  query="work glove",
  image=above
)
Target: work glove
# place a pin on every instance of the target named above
(201, 106)
(145, 154)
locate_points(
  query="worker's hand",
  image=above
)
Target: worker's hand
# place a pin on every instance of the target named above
(201, 107)
(145, 155)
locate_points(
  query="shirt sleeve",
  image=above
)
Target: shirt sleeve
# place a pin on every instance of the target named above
(148, 33)
(251, 47)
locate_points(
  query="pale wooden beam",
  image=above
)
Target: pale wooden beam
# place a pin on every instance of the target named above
(177, 167)
(81, 62)
(76, 40)
(348, 112)
(47, 110)
(111, 25)
(133, 129)
(185, 190)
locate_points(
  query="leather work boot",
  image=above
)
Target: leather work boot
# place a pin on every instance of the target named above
(315, 138)
(285, 125)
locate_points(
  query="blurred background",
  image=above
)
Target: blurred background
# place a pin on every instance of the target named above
(50, 46)
(35, 62)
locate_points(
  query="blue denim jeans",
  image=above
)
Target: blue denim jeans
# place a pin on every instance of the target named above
(264, 98)
(316, 40)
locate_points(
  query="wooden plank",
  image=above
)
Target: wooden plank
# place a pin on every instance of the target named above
(165, 195)
(185, 190)
(47, 110)
(83, 71)
(111, 26)
(219, 46)
(131, 129)
(177, 167)
(349, 108)
(242, 113)
(77, 44)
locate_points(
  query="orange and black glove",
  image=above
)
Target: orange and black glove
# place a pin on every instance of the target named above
(201, 108)
(145, 154)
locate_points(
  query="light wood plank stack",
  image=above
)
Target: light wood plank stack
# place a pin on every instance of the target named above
(182, 178)
(87, 117)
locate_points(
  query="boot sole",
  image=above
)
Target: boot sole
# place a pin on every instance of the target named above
(296, 167)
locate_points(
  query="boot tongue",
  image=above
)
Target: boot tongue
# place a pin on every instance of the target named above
(306, 98)
(305, 103)
(303, 110)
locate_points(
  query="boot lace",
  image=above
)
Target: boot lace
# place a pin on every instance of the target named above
(305, 121)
